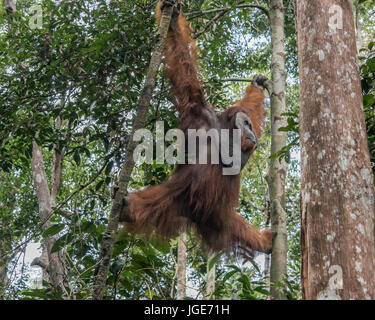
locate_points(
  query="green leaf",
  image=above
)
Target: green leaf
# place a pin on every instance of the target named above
(234, 267)
(87, 152)
(126, 283)
(88, 227)
(245, 281)
(109, 167)
(371, 64)
(161, 246)
(213, 261)
(368, 100)
(55, 219)
(77, 157)
(61, 242)
(37, 293)
(99, 184)
(261, 289)
(116, 267)
(229, 275)
(291, 122)
(51, 231)
(256, 267)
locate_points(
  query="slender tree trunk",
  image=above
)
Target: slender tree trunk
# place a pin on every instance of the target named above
(358, 27)
(337, 191)
(278, 168)
(55, 266)
(267, 259)
(10, 6)
(44, 262)
(52, 264)
(4, 259)
(211, 277)
(57, 164)
(142, 108)
(3, 267)
(181, 266)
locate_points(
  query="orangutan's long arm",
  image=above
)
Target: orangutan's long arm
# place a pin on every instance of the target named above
(181, 69)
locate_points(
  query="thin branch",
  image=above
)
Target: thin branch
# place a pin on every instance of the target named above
(198, 13)
(267, 84)
(84, 186)
(235, 80)
(217, 17)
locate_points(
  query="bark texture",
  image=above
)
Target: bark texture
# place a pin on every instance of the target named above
(278, 168)
(55, 265)
(358, 26)
(337, 191)
(10, 6)
(52, 264)
(3, 267)
(181, 266)
(267, 259)
(211, 277)
(139, 122)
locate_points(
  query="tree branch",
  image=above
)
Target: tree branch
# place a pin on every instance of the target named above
(55, 266)
(58, 157)
(198, 13)
(215, 18)
(267, 84)
(142, 108)
(235, 80)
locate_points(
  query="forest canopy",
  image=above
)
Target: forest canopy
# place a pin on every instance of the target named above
(77, 78)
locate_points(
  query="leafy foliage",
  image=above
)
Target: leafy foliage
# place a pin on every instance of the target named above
(86, 67)
(367, 59)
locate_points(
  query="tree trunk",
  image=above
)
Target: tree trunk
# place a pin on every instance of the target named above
(337, 191)
(142, 108)
(358, 27)
(3, 267)
(4, 257)
(181, 266)
(267, 259)
(10, 6)
(211, 276)
(278, 168)
(52, 264)
(44, 260)
(55, 267)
